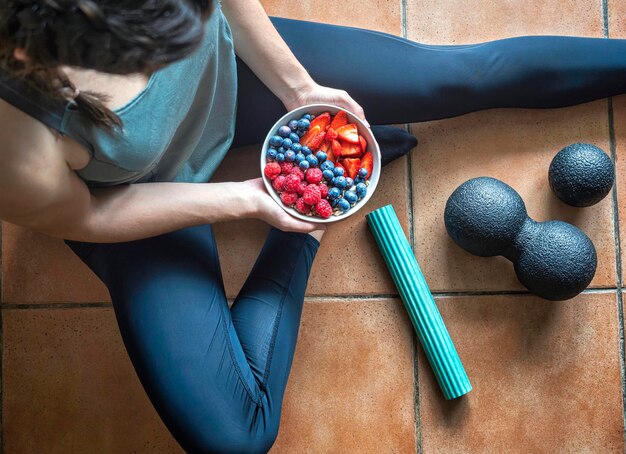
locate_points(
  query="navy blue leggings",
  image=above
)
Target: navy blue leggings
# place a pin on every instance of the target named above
(217, 375)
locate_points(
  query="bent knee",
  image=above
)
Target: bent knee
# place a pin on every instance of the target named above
(229, 440)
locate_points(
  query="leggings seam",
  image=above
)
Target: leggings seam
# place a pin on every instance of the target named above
(255, 399)
(277, 322)
(225, 327)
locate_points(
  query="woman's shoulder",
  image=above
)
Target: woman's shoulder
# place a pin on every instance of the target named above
(27, 143)
(35, 179)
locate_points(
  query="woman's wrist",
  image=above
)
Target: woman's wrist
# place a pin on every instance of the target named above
(238, 201)
(292, 89)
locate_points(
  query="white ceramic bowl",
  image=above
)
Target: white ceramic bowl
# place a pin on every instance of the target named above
(372, 147)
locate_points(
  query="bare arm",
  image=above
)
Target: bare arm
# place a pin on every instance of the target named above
(40, 191)
(263, 49)
(258, 44)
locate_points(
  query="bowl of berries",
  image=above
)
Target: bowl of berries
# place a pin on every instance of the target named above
(320, 163)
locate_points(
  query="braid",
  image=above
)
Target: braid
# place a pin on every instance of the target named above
(113, 36)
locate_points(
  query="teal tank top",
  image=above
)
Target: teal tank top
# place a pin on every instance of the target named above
(177, 129)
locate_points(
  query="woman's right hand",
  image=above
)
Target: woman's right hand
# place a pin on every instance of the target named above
(269, 211)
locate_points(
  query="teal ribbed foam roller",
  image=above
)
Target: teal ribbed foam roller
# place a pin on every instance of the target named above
(419, 302)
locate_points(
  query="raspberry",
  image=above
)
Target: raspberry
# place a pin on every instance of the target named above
(285, 167)
(272, 170)
(297, 171)
(323, 190)
(278, 182)
(314, 176)
(323, 208)
(292, 183)
(302, 206)
(312, 194)
(289, 198)
(301, 188)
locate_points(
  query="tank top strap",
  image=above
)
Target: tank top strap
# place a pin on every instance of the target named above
(48, 111)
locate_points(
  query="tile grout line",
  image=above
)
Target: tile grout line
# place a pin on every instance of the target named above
(416, 394)
(616, 229)
(314, 298)
(618, 257)
(409, 169)
(403, 18)
(60, 305)
(1, 345)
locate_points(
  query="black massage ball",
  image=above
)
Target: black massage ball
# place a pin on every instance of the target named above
(581, 174)
(556, 260)
(552, 259)
(483, 216)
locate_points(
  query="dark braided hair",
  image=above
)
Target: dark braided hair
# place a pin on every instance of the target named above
(112, 36)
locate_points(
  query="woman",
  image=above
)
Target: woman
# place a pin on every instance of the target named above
(122, 175)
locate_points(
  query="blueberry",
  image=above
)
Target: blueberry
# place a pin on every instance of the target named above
(321, 156)
(338, 171)
(343, 205)
(281, 150)
(276, 141)
(328, 174)
(295, 138)
(358, 180)
(293, 125)
(271, 153)
(340, 182)
(304, 124)
(290, 156)
(306, 150)
(299, 157)
(334, 193)
(300, 133)
(296, 147)
(307, 117)
(333, 202)
(304, 164)
(327, 165)
(312, 160)
(349, 182)
(351, 197)
(287, 143)
(284, 131)
(361, 190)
(363, 172)
(280, 157)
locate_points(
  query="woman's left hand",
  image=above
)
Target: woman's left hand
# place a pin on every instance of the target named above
(319, 94)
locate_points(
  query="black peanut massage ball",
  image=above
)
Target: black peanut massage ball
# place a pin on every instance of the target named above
(581, 174)
(552, 259)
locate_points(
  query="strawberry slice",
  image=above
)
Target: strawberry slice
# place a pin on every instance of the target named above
(312, 132)
(341, 119)
(316, 141)
(331, 134)
(349, 133)
(326, 145)
(367, 161)
(363, 143)
(322, 120)
(336, 148)
(350, 150)
(352, 166)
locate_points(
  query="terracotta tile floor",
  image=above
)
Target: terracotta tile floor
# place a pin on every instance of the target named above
(547, 377)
